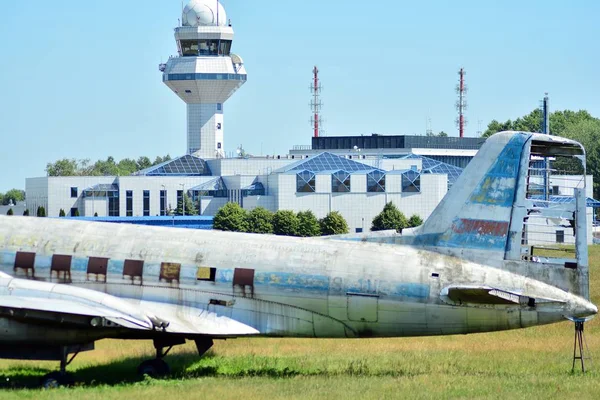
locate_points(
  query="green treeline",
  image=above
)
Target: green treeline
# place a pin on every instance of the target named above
(108, 167)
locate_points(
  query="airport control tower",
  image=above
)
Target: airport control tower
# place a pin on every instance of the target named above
(205, 74)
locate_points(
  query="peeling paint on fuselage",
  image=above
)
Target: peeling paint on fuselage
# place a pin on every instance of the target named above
(301, 287)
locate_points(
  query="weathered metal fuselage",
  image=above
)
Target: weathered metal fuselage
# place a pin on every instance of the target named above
(280, 286)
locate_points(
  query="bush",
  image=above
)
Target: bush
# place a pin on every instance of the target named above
(308, 225)
(95, 214)
(389, 218)
(41, 211)
(259, 220)
(10, 212)
(333, 224)
(61, 213)
(231, 217)
(26, 212)
(285, 223)
(76, 213)
(415, 221)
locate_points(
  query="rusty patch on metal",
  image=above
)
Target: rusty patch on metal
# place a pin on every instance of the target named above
(26, 262)
(134, 269)
(244, 277)
(483, 227)
(97, 266)
(61, 263)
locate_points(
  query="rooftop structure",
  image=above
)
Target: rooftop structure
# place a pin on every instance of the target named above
(204, 74)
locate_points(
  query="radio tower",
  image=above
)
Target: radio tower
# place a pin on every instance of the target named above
(461, 103)
(315, 103)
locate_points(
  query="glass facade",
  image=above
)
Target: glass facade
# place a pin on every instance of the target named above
(205, 47)
(204, 76)
(74, 192)
(163, 202)
(340, 182)
(146, 203)
(305, 182)
(113, 204)
(411, 182)
(129, 203)
(375, 182)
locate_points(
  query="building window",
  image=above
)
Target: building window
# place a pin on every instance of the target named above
(376, 182)
(411, 182)
(113, 204)
(560, 236)
(146, 203)
(74, 193)
(340, 182)
(219, 107)
(305, 182)
(163, 202)
(129, 203)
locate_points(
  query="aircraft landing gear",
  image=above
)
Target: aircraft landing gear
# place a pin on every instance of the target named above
(157, 367)
(61, 377)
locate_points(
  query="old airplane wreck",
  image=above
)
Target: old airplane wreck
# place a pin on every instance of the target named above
(471, 267)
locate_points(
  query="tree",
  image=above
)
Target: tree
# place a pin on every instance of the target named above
(333, 224)
(586, 132)
(308, 225)
(127, 166)
(10, 212)
(189, 209)
(41, 211)
(61, 213)
(285, 223)
(389, 218)
(231, 217)
(143, 163)
(13, 196)
(532, 122)
(105, 168)
(414, 221)
(442, 134)
(64, 167)
(260, 220)
(26, 212)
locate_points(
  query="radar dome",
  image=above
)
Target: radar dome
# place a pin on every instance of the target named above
(204, 13)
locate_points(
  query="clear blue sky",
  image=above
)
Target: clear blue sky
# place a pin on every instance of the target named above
(80, 79)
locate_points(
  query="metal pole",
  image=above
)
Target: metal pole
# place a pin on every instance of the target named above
(546, 131)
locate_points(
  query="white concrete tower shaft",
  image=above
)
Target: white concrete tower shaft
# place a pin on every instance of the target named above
(204, 74)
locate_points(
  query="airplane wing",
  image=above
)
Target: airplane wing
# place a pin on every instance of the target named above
(60, 305)
(466, 294)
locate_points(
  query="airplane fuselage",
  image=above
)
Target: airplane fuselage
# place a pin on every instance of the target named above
(280, 286)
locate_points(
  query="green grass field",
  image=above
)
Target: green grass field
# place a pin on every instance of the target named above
(529, 363)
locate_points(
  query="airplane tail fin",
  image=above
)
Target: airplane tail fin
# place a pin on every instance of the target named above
(521, 198)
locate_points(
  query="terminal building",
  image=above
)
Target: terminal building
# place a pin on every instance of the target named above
(355, 175)
(329, 177)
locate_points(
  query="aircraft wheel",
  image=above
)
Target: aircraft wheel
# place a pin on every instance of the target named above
(57, 379)
(154, 368)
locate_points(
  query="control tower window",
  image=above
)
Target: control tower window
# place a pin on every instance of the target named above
(224, 47)
(189, 48)
(205, 47)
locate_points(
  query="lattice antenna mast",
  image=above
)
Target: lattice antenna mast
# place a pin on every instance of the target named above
(461, 103)
(315, 104)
